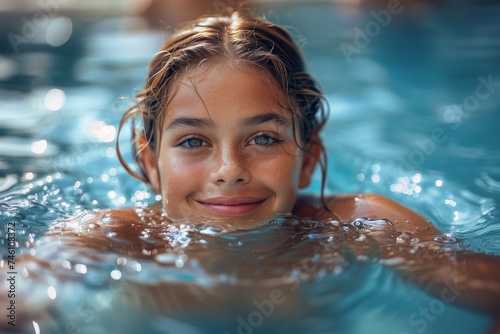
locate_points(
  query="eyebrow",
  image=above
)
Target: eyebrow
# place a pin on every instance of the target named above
(191, 122)
(247, 122)
(264, 118)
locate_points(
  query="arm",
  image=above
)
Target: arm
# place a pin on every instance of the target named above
(463, 277)
(468, 278)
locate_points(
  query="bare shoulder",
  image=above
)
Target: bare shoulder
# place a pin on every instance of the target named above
(372, 206)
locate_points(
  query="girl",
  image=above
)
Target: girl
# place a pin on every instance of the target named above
(231, 130)
(231, 123)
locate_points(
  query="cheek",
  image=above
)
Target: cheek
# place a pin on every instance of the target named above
(282, 170)
(177, 176)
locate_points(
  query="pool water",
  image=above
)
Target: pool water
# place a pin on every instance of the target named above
(407, 122)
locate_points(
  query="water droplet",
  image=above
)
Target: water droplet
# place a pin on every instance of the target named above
(404, 238)
(81, 268)
(235, 244)
(135, 266)
(66, 264)
(166, 258)
(358, 223)
(316, 236)
(51, 291)
(375, 178)
(380, 224)
(211, 230)
(361, 237)
(116, 274)
(393, 261)
(445, 238)
(179, 263)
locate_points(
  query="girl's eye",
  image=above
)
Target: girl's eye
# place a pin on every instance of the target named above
(192, 143)
(264, 140)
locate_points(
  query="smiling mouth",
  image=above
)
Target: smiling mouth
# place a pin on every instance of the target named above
(231, 206)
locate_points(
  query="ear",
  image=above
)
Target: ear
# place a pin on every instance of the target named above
(311, 158)
(149, 164)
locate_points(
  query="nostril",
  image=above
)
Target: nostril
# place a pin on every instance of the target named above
(230, 172)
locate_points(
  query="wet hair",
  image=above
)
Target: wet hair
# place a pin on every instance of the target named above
(238, 38)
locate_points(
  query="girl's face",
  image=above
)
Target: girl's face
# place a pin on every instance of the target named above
(227, 149)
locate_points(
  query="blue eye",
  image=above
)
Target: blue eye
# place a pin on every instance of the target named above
(265, 140)
(192, 143)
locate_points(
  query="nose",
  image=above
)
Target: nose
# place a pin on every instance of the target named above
(230, 168)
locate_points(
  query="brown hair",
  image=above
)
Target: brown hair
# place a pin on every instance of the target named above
(237, 37)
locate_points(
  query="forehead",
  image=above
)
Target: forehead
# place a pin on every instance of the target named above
(217, 90)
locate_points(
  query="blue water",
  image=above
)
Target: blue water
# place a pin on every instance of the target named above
(396, 128)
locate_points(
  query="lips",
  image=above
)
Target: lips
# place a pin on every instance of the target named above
(232, 206)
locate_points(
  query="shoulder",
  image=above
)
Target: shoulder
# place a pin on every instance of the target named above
(372, 206)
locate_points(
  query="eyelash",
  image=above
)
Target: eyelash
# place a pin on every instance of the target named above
(275, 140)
(184, 144)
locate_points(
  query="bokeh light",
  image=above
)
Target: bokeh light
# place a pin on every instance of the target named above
(59, 31)
(54, 99)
